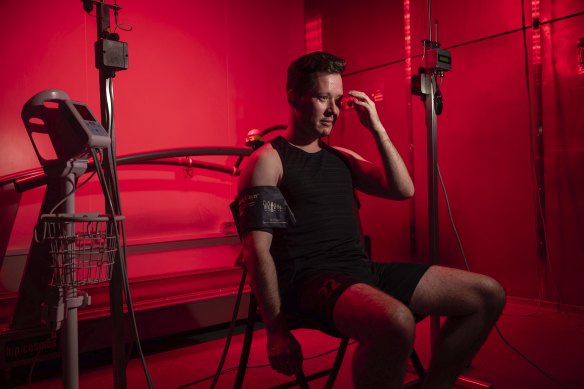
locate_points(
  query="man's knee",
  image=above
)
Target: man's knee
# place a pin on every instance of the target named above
(395, 326)
(399, 325)
(492, 296)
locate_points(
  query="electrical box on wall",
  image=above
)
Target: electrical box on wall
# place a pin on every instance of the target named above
(110, 54)
(439, 59)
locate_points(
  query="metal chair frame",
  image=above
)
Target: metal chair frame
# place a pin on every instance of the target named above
(301, 379)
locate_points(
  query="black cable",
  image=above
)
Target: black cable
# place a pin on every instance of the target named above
(112, 132)
(541, 370)
(452, 219)
(71, 193)
(122, 256)
(449, 211)
(131, 313)
(32, 366)
(231, 328)
(116, 190)
(124, 26)
(513, 348)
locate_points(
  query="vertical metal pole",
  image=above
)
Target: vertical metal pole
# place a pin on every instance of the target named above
(431, 126)
(70, 330)
(115, 284)
(38, 272)
(70, 349)
(429, 88)
(430, 21)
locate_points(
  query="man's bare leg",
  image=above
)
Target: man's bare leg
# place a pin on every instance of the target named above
(384, 329)
(472, 303)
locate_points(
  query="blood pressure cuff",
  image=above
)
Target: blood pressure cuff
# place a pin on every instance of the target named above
(262, 208)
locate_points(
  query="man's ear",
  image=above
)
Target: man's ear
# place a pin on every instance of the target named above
(292, 98)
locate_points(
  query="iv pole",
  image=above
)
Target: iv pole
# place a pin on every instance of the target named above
(111, 56)
(437, 61)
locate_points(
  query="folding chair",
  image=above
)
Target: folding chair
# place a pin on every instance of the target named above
(295, 323)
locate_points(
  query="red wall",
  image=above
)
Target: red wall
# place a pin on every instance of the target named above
(483, 135)
(204, 73)
(201, 73)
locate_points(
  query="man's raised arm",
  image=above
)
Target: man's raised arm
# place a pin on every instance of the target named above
(394, 180)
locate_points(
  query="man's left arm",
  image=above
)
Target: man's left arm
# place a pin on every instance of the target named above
(393, 181)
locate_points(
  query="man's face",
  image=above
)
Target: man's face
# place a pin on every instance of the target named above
(316, 111)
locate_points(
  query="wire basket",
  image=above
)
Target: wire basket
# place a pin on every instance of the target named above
(82, 247)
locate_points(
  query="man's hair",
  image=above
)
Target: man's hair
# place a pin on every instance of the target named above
(302, 71)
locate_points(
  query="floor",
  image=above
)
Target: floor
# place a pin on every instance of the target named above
(551, 338)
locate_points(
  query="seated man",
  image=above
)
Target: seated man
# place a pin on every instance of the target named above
(302, 250)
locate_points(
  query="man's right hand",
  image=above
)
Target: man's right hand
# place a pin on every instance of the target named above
(284, 351)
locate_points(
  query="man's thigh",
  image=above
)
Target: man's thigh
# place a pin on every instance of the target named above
(312, 301)
(446, 291)
(363, 311)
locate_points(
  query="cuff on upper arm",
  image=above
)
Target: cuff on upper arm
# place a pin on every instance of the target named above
(262, 208)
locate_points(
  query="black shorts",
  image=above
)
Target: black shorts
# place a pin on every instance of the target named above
(312, 300)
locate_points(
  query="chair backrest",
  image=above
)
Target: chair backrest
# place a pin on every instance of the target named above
(235, 213)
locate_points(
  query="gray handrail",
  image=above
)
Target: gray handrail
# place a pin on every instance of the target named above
(33, 178)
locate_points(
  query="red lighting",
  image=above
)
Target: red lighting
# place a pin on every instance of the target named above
(407, 40)
(536, 43)
(313, 34)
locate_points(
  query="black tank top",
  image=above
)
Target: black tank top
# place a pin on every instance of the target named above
(325, 238)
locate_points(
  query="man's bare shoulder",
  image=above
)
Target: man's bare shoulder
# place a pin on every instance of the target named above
(264, 158)
(352, 155)
(263, 168)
